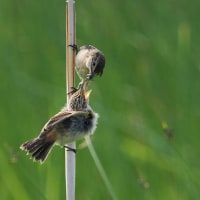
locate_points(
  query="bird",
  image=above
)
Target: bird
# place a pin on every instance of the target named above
(73, 122)
(89, 62)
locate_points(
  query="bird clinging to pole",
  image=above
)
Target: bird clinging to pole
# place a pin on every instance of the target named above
(89, 62)
(73, 122)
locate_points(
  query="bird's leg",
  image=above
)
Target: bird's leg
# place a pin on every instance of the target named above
(74, 47)
(70, 149)
(73, 90)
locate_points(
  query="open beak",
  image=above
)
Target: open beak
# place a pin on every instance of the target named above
(87, 94)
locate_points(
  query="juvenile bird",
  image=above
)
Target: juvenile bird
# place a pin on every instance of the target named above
(74, 121)
(89, 62)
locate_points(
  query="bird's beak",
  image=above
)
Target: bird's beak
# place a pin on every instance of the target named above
(87, 94)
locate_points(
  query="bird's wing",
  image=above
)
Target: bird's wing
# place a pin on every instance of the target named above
(59, 117)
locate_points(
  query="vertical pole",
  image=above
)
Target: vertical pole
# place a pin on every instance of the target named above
(70, 159)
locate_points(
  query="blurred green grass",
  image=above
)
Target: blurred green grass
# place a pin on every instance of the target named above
(152, 77)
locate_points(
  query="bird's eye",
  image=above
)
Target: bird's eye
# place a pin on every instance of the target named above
(93, 63)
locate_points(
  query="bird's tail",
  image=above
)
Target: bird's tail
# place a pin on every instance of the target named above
(38, 148)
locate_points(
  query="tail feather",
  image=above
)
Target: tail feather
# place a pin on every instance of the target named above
(42, 152)
(39, 148)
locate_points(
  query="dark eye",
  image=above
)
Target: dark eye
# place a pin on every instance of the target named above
(93, 63)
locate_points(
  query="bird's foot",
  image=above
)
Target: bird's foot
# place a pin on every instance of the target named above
(70, 149)
(74, 47)
(73, 90)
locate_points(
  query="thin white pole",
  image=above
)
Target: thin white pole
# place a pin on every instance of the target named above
(70, 159)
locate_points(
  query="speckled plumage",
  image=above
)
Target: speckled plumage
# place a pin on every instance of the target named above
(73, 122)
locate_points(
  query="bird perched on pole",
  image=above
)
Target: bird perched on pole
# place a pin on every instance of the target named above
(74, 121)
(89, 62)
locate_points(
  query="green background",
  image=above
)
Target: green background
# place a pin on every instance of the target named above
(148, 98)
